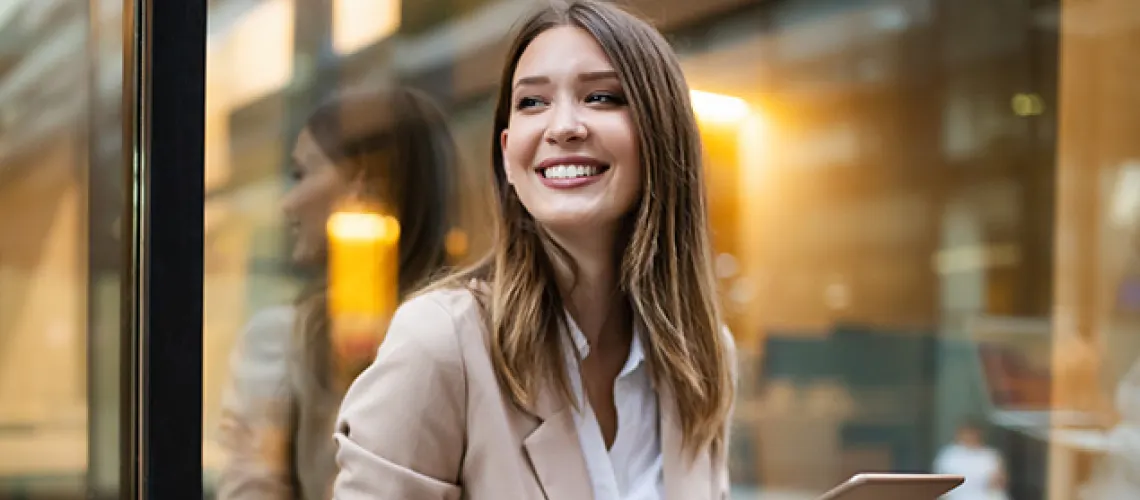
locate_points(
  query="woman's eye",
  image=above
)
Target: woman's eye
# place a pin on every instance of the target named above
(528, 102)
(606, 98)
(296, 175)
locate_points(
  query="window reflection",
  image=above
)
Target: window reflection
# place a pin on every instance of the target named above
(356, 215)
(60, 198)
(922, 212)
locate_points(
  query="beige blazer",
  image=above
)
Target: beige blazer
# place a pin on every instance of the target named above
(276, 437)
(427, 421)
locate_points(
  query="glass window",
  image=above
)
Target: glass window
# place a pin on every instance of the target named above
(924, 214)
(61, 197)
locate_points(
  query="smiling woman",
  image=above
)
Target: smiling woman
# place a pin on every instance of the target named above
(570, 151)
(585, 356)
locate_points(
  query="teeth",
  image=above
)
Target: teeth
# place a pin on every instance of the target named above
(570, 171)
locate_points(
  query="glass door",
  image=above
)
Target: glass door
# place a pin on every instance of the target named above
(62, 193)
(100, 248)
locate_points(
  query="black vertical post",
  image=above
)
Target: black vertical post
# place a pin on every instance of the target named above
(169, 166)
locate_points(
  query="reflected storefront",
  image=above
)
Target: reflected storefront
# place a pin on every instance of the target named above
(100, 172)
(884, 186)
(924, 212)
(61, 191)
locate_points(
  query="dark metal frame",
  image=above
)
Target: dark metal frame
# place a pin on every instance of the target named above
(164, 104)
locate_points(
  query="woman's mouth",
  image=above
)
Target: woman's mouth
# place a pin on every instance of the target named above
(572, 171)
(570, 176)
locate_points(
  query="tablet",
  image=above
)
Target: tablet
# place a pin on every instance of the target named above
(894, 487)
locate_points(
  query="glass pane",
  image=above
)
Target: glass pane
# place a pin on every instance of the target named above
(924, 214)
(887, 209)
(250, 60)
(60, 200)
(107, 241)
(283, 80)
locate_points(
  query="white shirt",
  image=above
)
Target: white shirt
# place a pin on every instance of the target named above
(978, 465)
(632, 468)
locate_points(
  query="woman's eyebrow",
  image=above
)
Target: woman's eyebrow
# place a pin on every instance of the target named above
(598, 75)
(532, 80)
(587, 76)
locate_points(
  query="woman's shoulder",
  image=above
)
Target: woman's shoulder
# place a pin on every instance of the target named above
(458, 306)
(265, 337)
(423, 350)
(258, 362)
(270, 322)
(459, 302)
(435, 322)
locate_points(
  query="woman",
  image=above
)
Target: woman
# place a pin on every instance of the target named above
(385, 147)
(585, 357)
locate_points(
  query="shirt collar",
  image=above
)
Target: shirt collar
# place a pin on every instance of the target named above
(580, 347)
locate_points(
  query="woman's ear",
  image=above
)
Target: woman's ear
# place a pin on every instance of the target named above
(503, 152)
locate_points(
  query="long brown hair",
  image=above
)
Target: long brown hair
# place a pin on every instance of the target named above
(665, 267)
(395, 141)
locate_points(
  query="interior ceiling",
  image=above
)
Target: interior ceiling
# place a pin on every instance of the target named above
(866, 44)
(42, 53)
(44, 50)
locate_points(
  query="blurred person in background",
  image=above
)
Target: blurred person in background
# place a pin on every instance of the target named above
(1118, 473)
(982, 466)
(390, 146)
(586, 356)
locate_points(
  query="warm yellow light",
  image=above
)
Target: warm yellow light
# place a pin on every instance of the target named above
(363, 226)
(359, 23)
(363, 263)
(363, 280)
(718, 107)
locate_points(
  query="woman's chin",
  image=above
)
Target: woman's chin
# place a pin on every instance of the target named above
(590, 221)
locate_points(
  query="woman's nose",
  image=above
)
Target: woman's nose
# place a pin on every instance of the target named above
(565, 125)
(289, 203)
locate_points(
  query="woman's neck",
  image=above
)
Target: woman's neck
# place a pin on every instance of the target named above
(592, 294)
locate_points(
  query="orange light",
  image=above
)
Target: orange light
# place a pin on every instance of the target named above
(363, 279)
(356, 226)
(719, 108)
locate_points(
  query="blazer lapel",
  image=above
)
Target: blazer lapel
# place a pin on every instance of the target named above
(555, 453)
(685, 478)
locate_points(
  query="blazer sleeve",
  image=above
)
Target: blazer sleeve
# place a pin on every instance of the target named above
(401, 429)
(254, 422)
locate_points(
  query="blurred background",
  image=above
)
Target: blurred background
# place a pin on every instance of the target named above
(923, 211)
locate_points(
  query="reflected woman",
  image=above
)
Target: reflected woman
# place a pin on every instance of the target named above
(585, 357)
(288, 378)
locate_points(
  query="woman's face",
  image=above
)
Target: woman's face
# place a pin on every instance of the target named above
(318, 186)
(570, 146)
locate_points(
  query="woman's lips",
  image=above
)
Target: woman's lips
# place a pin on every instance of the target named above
(569, 176)
(568, 172)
